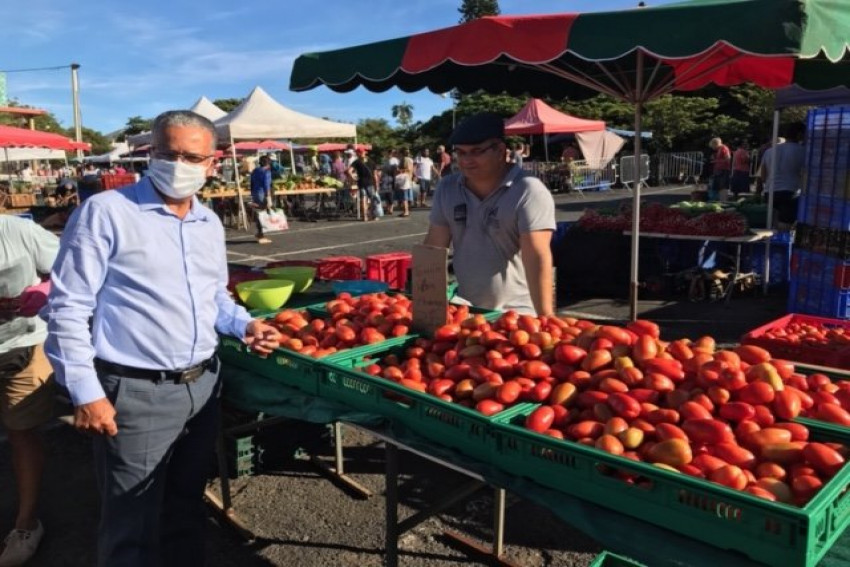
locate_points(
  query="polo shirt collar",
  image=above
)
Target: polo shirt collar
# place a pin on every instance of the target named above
(148, 200)
(507, 180)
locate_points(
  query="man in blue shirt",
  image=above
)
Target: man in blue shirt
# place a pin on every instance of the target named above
(139, 291)
(261, 194)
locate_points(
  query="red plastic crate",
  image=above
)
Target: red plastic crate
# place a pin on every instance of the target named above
(390, 268)
(340, 268)
(820, 355)
(114, 181)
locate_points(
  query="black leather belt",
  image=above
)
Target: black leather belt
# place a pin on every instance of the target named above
(185, 376)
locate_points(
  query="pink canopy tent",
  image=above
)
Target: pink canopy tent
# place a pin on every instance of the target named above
(11, 137)
(537, 117)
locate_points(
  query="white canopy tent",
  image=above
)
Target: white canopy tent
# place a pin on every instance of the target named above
(118, 149)
(202, 106)
(29, 154)
(260, 117)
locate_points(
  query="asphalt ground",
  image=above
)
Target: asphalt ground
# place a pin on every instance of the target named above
(303, 519)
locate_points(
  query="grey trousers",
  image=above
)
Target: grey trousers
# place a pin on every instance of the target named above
(151, 476)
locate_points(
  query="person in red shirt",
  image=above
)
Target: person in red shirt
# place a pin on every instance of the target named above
(740, 169)
(721, 170)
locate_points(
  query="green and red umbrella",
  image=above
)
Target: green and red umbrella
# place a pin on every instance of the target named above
(686, 46)
(634, 55)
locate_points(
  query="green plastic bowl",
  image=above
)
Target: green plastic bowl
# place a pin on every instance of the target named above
(265, 294)
(302, 276)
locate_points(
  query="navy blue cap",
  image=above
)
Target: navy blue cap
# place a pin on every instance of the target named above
(478, 128)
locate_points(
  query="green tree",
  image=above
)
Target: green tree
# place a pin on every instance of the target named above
(137, 125)
(227, 104)
(674, 120)
(474, 9)
(99, 143)
(379, 133)
(403, 113)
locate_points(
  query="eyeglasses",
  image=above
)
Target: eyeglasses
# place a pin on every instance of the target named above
(187, 157)
(476, 152)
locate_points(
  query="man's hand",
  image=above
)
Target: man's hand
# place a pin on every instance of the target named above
(97, 417)
(261, 337)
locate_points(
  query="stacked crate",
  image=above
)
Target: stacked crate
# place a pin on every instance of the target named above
(820, 277)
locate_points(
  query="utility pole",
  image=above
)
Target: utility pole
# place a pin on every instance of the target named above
(75, 98)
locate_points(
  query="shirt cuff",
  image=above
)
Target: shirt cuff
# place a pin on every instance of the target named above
(240, 325)
(86, 391)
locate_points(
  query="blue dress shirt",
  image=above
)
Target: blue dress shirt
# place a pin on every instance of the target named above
(153, 285)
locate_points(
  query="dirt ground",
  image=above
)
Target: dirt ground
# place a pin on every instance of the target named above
(301, 518)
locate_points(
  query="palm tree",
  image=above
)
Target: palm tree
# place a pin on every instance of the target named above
(403, 113)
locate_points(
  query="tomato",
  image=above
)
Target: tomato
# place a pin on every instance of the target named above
(489, 407)
(540, 392)
(823, 458)
(624, 405)
(664, 431)
(771, 470)
(610, 444)
(569, 354)
(756, 490)
(708, 431)
(764, 417)
(786, 405)
(729, 475)
(756, 393)
(587, 428)
(541, 419)
(658, 382)
(780, 490)
(663, 416)
(693, 410)
(734, 454)
(483, 391)
(767, 436)
(805, 486)
(737, 411)
(631, 438)
(752, 354)
(536, 370)
(672, 452)
(642, 327)
(596, 360)
(563, 394)
(833, 413)
(508, 392)
(707, 463)
(799, 432)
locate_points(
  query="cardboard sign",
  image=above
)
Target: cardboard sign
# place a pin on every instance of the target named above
(430, 280)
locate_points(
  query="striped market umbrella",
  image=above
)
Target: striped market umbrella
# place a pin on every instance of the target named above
(633, 55)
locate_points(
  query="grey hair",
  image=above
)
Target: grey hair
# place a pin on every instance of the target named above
(171, 118)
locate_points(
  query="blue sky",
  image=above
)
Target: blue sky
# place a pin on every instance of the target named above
(141, 58)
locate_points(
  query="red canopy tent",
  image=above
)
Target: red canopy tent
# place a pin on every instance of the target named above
(11, 137)
(537, 117)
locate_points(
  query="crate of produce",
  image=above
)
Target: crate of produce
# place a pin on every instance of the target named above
(451, 424)
(765, 531)
(321, 310)
(287, 366)
(805, 338)
(608, 559)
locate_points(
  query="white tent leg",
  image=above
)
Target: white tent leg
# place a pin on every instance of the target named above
(243, 216)
(770, 176)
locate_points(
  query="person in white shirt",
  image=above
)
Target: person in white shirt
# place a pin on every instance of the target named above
(403, 184)
(790, 159)
(424, 171)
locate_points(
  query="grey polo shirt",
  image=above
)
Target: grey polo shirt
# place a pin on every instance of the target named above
(486, 233)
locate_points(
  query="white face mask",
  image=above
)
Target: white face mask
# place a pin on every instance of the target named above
(176, 179)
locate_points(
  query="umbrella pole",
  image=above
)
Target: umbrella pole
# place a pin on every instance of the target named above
(633, 280)
(546, 145)
(243, 217)
(770, 177)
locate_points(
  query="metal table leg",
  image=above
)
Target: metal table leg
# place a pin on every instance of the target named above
(337, 473)
(391, 516)
(493, 555)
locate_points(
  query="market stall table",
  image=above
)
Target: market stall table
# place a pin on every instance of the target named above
(756, 236)
(631, 536)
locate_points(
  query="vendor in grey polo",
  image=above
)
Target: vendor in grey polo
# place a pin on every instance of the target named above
(500, 221)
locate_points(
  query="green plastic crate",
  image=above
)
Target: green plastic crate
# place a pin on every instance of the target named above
(608, 559)
(452, 425)
(288, 367)
(770, 532)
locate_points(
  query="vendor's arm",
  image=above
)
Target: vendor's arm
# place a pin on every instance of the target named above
(536, 252)
(536, 223)
(77, 277)
(439, 233)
